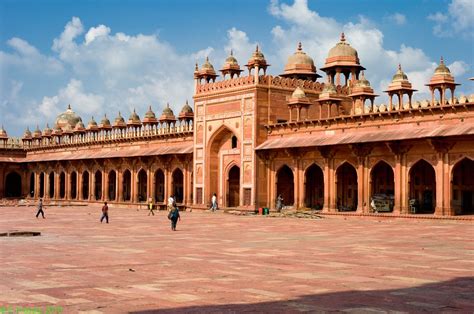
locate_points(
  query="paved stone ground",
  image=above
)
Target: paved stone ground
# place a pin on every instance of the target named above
(220, 263)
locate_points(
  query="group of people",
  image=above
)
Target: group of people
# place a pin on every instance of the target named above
(173, 211)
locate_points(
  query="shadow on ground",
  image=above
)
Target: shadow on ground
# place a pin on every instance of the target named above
(428, 298)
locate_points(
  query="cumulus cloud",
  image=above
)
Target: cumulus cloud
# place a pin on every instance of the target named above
(363, 35)
(458, 20)
(398, 18)
(97, 32)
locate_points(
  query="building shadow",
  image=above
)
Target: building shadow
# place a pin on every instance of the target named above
(453, 296)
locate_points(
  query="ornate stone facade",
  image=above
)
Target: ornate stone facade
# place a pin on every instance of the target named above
(253, 137)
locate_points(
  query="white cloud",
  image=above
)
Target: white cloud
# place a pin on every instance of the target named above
(74, 94)
(459, 20)
(96, 32)
(398, 18)
(65, 42)
(381, 63)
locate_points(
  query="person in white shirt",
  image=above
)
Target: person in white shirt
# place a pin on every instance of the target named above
(171, 203)
(214, 202)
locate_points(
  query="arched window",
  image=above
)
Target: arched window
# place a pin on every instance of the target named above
(234, 141)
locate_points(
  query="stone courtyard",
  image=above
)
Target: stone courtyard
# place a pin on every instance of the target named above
(222, 263)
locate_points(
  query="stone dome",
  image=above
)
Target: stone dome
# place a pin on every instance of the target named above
(400, 75)
(37, 132)
(258, 59)
(329, 88)
(207, 68)
(150, 114)
(67, 117)
(298, 93)
(3, 133)
(363, 82)
(105, 123)
(57, 130)
(134, 119)
(231, 60)
(79, 127)
(442, 68)
(342, 49)
(299, 58)
(27, 134)
(92, 125)
(186, 112)
(167, 114)
(47, 131)
(119, 121)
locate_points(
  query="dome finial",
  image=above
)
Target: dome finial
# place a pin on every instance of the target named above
(69, 106)
(441, 61)
(299, 46)
(196, 68)
(343, 37)
(256, 49)
(207, 58)
(231, 52)
(399, 67)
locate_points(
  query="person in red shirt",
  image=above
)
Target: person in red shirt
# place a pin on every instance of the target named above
(105, 213)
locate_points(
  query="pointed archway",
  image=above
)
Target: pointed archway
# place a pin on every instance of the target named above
(41, 185)
(314, 187)
(142, 184)
(32, 184)
(285, 185)
(159, 186)
(382, 187)
(62, 185)
(462, 186)
(422, 187)
(112, 188)
(233, 187)
(127, 185)
(98, 185)
(346, 176)
(73, 185)
(51, 185)
(85, 185)
(13, 185)
(177, 185)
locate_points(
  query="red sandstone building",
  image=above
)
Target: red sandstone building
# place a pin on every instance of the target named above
(252, 136)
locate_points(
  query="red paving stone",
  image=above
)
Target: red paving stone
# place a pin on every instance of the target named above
(220, 263)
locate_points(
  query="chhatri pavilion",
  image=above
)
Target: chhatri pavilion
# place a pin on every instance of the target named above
(318, 142)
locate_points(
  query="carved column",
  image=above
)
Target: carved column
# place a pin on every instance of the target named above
(67, 185)
(442, 148)
(79, 185)
(328, 154)
(105, 185)
(120, 184)
(400, 176)
(361, 151)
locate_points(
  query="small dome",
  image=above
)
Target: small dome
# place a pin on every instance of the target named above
(442, 68)
(119, 122)
(67, 117)
(134, 119)
(343, 49)
(27, 134)
(299, 58)
(186, 112)
(3, 133)
(400, 75)
(92, 125)
(298, 93)
(57, 130)
(257, 58)
(79, 127)
(150, 114)
(231, 66)
(231, 60)
(37, 132)
(207, 68)
(47, 131)
(167, 114)
(329, 88)
(363, 82)
(105, 123)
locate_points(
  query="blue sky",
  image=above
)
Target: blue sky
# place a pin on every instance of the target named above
(106, 56)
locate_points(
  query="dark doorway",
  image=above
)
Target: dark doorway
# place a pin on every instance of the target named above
(51, 185)
(127, 185)
(13, 185)
(85, 185)
(41, 183)
(159, 186)
(233, 193)
(142, 186)
(32, 184)
(286, 185)
(73, 185)
(112, 189)
(346, 176)
(178, 185)
(422, 188)
(62, 185)
(382, 188)
(462, 184)
(314, 187)
(98, 185)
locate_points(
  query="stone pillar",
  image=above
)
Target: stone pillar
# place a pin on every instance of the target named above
(442, 148)
(397, 178)
(37, 185)
(79, 185)
(92, 186)
(360, 184)
(56, 185)
(105, 186)
(46, 183)
(119, 196)
(133, 185)
(149, 184)
(67, 185)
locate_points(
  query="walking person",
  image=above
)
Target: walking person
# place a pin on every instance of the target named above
(171, 203)
(174, 217)
(40, 208)
(150, 207)
(105, 213)
(214, 202)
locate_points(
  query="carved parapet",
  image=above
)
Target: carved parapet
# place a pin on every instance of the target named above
(230, 83)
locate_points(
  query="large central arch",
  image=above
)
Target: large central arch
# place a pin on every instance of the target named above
(285, 185)
(422, 187)
(221, 140)
(159, 186)
(177, 185)
(142, 183)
